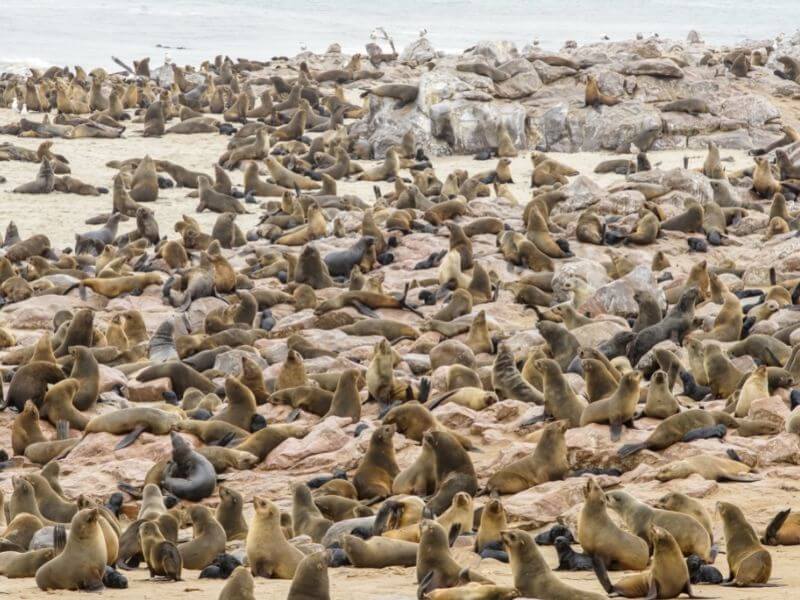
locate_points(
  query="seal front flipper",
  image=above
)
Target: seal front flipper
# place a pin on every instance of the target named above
(704, 433)
(365, 310)
(601, 573)
(616, 430)
(293, 415)
(131, 437)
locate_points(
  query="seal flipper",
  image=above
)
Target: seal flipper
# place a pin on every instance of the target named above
(133, 491)
(131, 437)
(62, 430)
(774, 526)
(704, 433)
(365, 310)
(292, 416)
(629, 449)
(601, 573)
(59, 538)
(616, 431)
(452, 535)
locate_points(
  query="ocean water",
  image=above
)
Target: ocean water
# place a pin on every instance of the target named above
(40, 33)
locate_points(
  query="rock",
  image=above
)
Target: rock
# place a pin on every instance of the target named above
(550, 74)
(616, 298)
(546, 502)
(582, 192)
(587, 270)
(772, 409)
(148, 391)
(197, 311)
(523, 82)
(655, 67)
(625, 202)
(589, 129)
(37, 312)
(231, 362)
(739, 139)
(419, 51)
(110, 378)
(496, 52)
(592, 335)
(753, 109)
(326, 436)
(469, 127)
(694, 183)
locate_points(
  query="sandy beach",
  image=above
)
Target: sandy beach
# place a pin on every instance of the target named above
(457, 113)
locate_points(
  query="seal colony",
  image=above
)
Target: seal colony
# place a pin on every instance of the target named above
(344, 360)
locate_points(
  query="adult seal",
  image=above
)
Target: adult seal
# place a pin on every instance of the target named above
(189, 475)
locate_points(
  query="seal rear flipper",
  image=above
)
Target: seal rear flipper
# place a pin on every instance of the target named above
(133, 491)
(774, 526)
(601, 573)
(224, 440)
(62, 430)
(59, 538)
(704, 433)
(434, 402)
(424, 390)
(733, 455)
(131, 437)
(629, 449)
(743, 478)
(534, 420)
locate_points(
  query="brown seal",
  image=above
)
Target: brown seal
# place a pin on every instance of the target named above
(229, 513)
(548, 462)
(436, 567)
(749, 562)
(675, 501)
(310, 580)
(25, 429)
(617, 409)
(492, 524)
(594, 97)
(690, 535)
(133, 421)
(532, 575)
(268, 551)
(668, 576)
(161, 555)
(240, 586)
(82, 562)
(453, 469)
(377, 470)
(208, 539)
(24, 564)
(602, 539)
(306, 517)
(379, 552)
